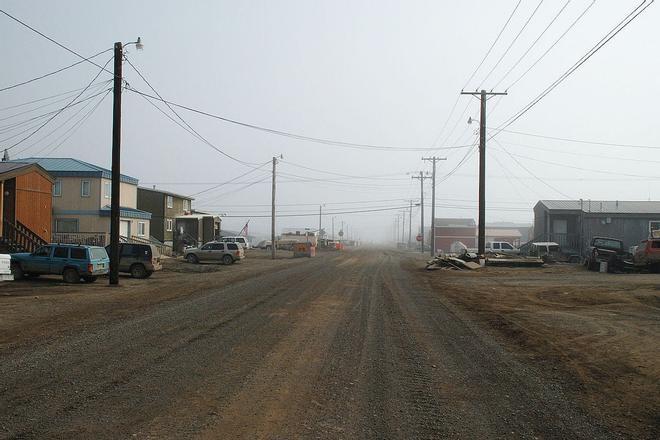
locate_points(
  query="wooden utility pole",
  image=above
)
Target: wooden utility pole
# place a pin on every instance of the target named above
(410, 226)
(433, 160)
(483, 96)
(421, 178)
(272, 214)
(116, 164)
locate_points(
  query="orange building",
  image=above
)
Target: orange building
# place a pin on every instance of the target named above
(26, 206)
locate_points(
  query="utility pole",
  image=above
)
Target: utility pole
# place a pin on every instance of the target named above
(410, 226)
(403, 226)
(333, 228)
(320, 221)
(116, 164)
(421, 178)
(433, 160)
(272, 214)
(483, 96)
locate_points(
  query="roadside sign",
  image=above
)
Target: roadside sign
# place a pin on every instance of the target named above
(418, 238)
(341, 233)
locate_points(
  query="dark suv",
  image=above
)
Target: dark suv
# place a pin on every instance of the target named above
(606, 250)
(140, 260)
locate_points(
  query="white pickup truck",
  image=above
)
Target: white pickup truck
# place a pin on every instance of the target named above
(501, 247)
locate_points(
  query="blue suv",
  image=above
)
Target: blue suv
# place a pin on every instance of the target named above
(71, 261)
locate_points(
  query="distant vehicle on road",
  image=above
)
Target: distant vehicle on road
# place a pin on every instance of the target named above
(140, 260)
(215, 251)
(71, 261)
(501, 247)
(647, 254)
(238, 239)
(606, 250)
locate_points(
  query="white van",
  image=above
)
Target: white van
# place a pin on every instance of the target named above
(241, 240)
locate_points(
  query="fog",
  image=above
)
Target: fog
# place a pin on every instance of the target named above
(382, 73)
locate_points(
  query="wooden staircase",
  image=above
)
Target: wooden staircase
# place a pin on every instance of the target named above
(18, 238)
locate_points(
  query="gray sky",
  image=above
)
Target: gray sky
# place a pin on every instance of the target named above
(385, 73)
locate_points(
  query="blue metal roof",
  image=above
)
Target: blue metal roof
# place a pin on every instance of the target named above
(127, 212)
(69, 167)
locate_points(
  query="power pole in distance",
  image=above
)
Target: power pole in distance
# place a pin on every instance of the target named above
(433, 160)
(116, 164)
(410, 225)
(483, 96)
(272, 214)
(421, 178)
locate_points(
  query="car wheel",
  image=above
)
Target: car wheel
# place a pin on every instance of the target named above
(227, 259)
(149, 273)
(70, 276)
(192, 258)
(17, 270)
(90, 279)
(138, 271)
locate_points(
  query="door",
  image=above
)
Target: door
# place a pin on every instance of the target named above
(125, 228)
(205, 252)
(217, 251)
(39, 261)
(60, 259)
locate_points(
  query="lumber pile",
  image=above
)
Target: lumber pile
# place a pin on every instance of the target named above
(449, 262)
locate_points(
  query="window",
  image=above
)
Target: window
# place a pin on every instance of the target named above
(142, 229)
(128, 250)
(206, 247)
(186, 205)
(654, 226)
(217, 247)
(107, 190)
(655, 244)
(170, 202)
(43, 251)
(168, 224)
(78, 253)
(61, 252)
(496, 245)
(85, 188)
(506, 246)
(66, 225)
(97, 253)
(57, 188)
(232, 246)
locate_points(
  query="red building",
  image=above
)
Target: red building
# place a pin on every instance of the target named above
(450, 230)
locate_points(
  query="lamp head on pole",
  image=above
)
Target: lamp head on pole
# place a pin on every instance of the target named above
(138, 44)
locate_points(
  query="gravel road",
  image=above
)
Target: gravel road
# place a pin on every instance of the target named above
(343, 346)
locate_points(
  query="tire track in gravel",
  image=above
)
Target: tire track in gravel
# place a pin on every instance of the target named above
(110, 381)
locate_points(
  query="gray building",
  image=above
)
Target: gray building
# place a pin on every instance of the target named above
(573, 223)
(164, 207)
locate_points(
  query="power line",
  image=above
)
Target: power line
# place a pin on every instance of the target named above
(511, 44)
(70, 92)
(580, 141)
(561, 10)
(294, 135)
(611, 34)
(46, 75)
(315, 214)
(543, 55)
(57, 43)
(216, 186)
(59, 111)
(196, 133)
(492, 45)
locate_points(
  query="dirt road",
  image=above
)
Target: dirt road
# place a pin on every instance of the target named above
(343, 346)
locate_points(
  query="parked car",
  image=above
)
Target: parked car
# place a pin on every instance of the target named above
(606, 250)
(501, 247)
(239, 239)
(215, 251)
(647, 254)
(73, 262)
(140, 260)
(551, 252)
(264, 244)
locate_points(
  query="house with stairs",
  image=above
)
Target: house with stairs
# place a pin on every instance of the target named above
(25, 206)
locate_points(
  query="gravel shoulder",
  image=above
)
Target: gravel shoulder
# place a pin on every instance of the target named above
(598, 333)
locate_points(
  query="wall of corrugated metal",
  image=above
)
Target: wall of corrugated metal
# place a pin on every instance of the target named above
(34, 203)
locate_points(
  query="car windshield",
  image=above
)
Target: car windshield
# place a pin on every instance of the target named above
(607, 243)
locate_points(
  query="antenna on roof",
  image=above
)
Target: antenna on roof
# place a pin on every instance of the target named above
(5, 156)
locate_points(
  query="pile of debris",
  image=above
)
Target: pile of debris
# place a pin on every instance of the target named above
(466, 261)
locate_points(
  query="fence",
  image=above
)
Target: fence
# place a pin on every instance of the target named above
(87, 238)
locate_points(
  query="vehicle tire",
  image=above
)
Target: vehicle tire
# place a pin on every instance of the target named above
(227, 259)
(138, 271)
(90, 279)
(192, 258)
(149, 273)
(70, 276)
(17, 271)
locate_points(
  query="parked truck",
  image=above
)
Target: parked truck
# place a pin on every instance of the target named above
(607, 250)
(647, 255)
